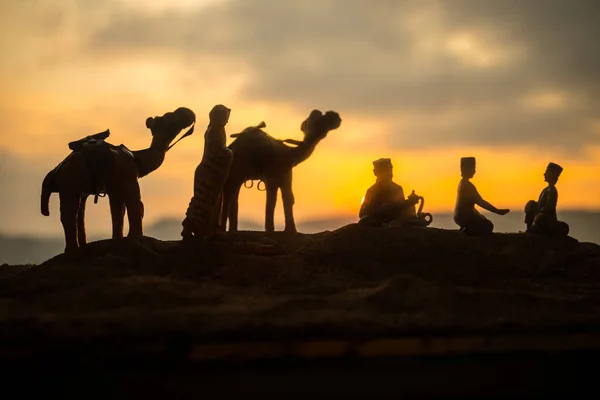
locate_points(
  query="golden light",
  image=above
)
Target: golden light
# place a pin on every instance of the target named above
(545, 101)
(473, 50)
(51, 105)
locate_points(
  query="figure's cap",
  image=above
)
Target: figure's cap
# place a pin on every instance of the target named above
(467, 162)
(382, 163)
(555, 168)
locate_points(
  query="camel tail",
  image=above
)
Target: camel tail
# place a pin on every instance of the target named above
(47, 185)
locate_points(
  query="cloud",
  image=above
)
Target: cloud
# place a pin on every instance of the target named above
(492, 77)
(452, 73)
(419, 60)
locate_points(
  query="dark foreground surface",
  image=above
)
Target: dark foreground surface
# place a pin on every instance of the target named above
(506, 374)
(354, 311)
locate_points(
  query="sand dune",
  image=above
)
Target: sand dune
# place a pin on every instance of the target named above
(354, 281)
(35, 250)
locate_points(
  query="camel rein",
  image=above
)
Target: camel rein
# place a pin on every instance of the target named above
(188, 133)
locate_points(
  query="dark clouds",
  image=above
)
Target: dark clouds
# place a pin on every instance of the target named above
(561, 36)
(371, 58)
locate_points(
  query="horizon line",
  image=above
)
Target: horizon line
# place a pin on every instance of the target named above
(155, 221)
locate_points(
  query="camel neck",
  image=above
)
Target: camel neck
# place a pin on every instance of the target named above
(304, 150)
(148, 160)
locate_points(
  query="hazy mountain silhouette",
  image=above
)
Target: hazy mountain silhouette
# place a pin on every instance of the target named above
(29, 249)
(34, 250)
(170, 229)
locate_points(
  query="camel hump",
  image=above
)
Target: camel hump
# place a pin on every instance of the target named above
(251, 130)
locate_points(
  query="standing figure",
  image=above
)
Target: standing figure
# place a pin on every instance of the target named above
(540, 216)
(204, 212)
(466, 216)
(384, 202)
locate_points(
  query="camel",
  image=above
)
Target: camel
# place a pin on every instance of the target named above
(100, 168)
(259, 156)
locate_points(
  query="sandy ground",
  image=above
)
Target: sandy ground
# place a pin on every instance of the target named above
(354, 281)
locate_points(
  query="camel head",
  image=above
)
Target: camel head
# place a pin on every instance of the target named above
(317, 125)
(165, 128)
(219, 115)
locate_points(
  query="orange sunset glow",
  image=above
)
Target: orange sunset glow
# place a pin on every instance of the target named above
(421, 82)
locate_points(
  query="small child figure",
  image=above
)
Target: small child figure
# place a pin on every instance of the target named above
(540, 216)
(466, 216)
(384, 202)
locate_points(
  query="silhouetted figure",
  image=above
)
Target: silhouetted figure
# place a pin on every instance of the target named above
(98, 167)
(540, 216)
(466, 216)
(259, 156)
(384, 202)
(204, 211)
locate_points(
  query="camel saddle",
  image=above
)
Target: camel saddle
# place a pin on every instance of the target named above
(97, 157)
(91, 140)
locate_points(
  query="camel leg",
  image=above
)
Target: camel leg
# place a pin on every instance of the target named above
(225, 211)
(287, 196)
(135, 209)
(230, 192)
(69, 206)
(117, 213)
(270, 207)
(233, 213)
(81, 234)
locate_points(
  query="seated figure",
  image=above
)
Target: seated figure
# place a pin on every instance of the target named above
(466, 216)
(540, 216)
(384, 202)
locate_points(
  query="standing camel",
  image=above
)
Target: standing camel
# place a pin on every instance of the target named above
(97, 167)
(259, 156)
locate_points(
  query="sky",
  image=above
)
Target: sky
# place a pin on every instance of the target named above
(425, 82)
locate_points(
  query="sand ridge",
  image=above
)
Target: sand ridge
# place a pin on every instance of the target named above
(349, 282)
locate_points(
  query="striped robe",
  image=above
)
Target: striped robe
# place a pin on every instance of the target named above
(204, 211)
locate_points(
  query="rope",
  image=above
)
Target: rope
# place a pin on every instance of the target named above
(257, 186)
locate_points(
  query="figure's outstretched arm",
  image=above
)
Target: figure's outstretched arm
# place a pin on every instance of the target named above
(487, 206)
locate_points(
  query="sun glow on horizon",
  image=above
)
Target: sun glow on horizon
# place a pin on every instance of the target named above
(415, 91)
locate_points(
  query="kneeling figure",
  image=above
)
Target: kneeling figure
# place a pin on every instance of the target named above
(540, 216)
(466, 216)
